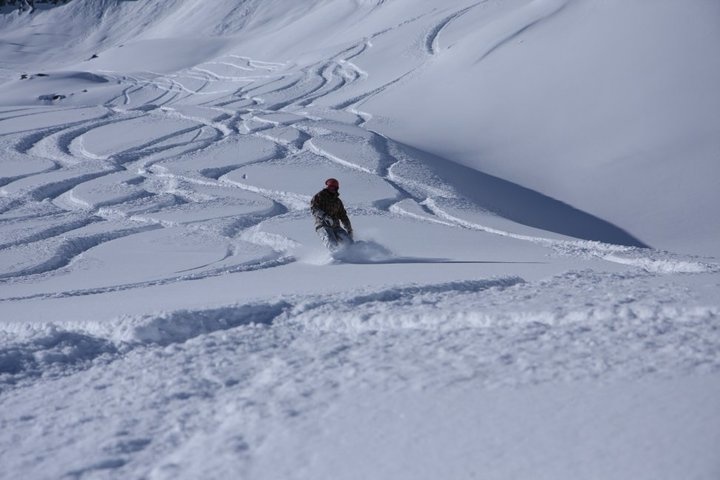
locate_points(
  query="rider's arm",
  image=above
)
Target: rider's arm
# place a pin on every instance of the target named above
(344, 219)
(317, 211)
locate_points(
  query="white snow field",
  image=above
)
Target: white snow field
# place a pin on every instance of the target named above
(535, 288)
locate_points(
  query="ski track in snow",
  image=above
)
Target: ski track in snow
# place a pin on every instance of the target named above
(432, 44)
(65, 144)
(494, 337)
(266, 85)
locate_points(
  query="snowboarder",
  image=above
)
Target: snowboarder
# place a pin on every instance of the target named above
(329, 213)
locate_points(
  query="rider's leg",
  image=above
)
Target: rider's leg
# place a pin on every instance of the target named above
(328, 237)
(343, 237)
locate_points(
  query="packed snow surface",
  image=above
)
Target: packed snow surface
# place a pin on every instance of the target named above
(534, 290)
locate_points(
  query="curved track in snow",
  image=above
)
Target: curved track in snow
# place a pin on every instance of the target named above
(165, 234)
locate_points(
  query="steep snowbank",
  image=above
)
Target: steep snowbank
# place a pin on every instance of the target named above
(612, 107)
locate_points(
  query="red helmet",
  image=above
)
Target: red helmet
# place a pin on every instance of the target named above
(332, 184)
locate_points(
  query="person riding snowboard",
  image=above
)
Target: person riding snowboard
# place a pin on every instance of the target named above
(329, 213)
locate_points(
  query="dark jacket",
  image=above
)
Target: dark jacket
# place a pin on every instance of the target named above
(327, 204)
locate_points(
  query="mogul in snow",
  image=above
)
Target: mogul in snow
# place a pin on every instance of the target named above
(331, 220)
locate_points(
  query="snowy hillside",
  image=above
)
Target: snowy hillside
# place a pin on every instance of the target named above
(534, 290)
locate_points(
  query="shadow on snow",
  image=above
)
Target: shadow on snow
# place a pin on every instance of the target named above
(372, 253)
(523, 205)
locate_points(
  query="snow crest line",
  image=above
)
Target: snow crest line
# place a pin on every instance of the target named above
(57, 351)
(518, 21)
(491, 308)
(28, 352)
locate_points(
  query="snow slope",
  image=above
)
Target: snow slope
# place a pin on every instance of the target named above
(612, 107)
(534, 288)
